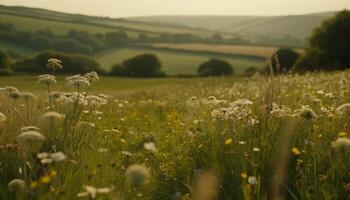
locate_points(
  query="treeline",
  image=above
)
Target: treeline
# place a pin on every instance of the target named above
(83, 42)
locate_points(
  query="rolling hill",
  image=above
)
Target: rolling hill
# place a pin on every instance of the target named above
(296, 26)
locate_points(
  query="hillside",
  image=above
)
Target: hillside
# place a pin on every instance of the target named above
(295, 26)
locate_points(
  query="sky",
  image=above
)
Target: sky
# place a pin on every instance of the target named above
(128, 8)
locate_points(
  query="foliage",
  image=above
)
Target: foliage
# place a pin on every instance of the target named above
(145, 65)
(215, 67)
(74, 63)
(328, 45)
(283, 60)
(5, 64)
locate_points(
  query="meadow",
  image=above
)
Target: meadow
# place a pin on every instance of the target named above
(177, 62)
(203, 139)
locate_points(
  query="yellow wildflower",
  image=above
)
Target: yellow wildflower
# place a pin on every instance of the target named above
(296, 151)
(229, 141)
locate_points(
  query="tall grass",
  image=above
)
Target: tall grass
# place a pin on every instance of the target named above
(203, 141)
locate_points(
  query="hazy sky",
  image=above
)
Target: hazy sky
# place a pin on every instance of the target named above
(124, 8)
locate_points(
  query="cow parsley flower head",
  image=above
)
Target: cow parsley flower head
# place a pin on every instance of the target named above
(51, 116)
(306, 113)
(27, 96)
(341, 144)
(137, 175)
(54, 64)
(12, 92)
(92, 77)
(30, 128)
(30, 137)
(2, 117)
(252, 180)
(77, 81)
(150, 146)
(92, 192)
(17, 185)
(51, 157)
(343, 109)
(47, 79)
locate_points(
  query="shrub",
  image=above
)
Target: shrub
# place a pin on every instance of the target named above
(42, 42)
(5, 64)
(73, 63)
(145, 65)
(71, 46)
(286, 58)
(215, 67)
(328, 46)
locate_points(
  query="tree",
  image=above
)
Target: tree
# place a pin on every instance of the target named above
(286, 59)
(145, 65)
(5, 64)
(215, 67)
(329, 45)
(42, 42)
(116, 38)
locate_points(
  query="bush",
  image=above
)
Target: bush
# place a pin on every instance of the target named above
(115, 39)
(5, 64)
(145, 65)
(71, 46)
(73, 63)
(286, 58)
(215, 67)
(329, 46)
(42, 42)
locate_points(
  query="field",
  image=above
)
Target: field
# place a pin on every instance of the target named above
(177, 62)
(211, 138)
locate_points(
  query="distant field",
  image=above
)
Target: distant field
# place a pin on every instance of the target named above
(261, 51)
(59, 28)
(175, 62)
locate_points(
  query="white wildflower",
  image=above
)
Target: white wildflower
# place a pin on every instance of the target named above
(47, 79)
(343, 109)
(92, 191)
(92, 77)
(17, 185)
(54, 64)
(51, 116)
(2, 117)
(252, 180)
(30, 136)
(341, 144)
(30, 128)
(150, 146)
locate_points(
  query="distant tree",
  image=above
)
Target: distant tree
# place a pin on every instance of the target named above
(5, 64)
(116, 39)
(286, 59)
(145, 65)
(329, 45)
(42, 42)
(71, 46)
(215, 67)
(72, 63)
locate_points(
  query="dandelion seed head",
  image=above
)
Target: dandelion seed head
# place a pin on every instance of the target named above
(341, 144)
(137, 175)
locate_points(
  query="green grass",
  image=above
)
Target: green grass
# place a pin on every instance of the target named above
(175, 62)
(221, 138)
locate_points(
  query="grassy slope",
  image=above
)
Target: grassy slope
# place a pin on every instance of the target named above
(297, 26)
(175, 62)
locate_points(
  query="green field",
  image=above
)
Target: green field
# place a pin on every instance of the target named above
(176, 62)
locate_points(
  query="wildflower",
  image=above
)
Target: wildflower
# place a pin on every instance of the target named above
(45, 179)
(34, 184)
(296, 151)
(47, 79)
(54, 64)
(242, 142)
(343, 109)
(92, 77)
(126, 153)
(150, 146)
(30, 128)
(137, 175)
(2, 117)
(53, 157)
(77, 81)
(256, 149)
(342, 134)
(30, 136)
(244, 175)
(51, 116)
(252, 180)
(241, 102)
(12, 92)
(16, 185)
(341, 144)
(92, 191)
(229, 141)
(305, 112)
(27, 96)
